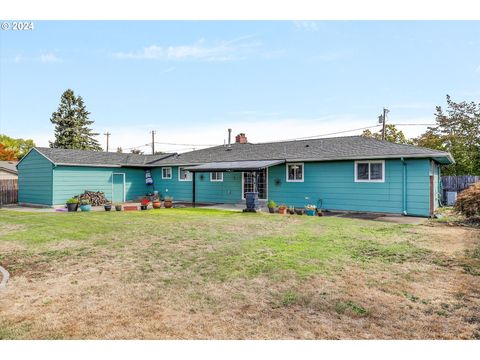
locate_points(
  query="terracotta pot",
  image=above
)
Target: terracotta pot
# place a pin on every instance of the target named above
(168, 204)
(282, 211)
(157, 204)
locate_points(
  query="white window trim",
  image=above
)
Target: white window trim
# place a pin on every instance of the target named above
(167, 177)
(180, 178)
(369, 172)
(303, 172)
(216, 180)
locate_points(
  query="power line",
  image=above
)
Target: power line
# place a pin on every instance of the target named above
(163, 143)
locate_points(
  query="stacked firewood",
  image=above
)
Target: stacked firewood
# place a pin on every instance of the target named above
(95, 198)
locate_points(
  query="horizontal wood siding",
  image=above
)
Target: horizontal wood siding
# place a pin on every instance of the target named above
(35, 179)
(333, 184)
(227, 191)
(73, 180)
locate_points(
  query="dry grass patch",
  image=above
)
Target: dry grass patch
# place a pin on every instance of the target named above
(196, 274)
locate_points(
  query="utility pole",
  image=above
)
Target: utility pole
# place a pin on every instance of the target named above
(384, 120)
(153, 142)
(107, 134)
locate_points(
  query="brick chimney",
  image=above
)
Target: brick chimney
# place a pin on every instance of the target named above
(241, 138)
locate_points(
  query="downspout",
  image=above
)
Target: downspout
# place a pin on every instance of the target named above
(404, 187)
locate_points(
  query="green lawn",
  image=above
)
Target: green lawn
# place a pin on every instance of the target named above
(193, 273)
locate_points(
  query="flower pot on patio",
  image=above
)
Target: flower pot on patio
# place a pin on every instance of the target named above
(85, 207)
(168, 202)
(118, 207)
(299, 211)
(107, 207)
(282, 209)
(156, 204)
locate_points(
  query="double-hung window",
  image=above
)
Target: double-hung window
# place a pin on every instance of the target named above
(166, 172)
(295, 172)
(216, 176)
(184, 175)
(370, 171)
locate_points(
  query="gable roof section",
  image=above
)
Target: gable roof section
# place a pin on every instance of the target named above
(326, 149)
(9, 166)
(96, 158)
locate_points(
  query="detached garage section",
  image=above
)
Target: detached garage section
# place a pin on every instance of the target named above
(49, 177)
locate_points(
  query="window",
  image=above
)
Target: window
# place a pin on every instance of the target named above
(295, 172)
(370, 171)
(166, 172)
(216, 176)
(184, 175)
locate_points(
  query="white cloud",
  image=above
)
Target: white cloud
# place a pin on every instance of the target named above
(49, 58)
(477, 70)
(201, 50)
(307, 25)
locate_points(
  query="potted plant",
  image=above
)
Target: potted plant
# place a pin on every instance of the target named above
(85, 205)
(299, 211)
(271, 206)
(168, 202)
(118, 206)
(291, 210)
(144, 204)
(310, 210)
(107, 206)
(282, 209)
(157, 204)
(72, 204)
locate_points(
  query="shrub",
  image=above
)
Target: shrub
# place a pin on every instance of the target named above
(468, 201)
(271, 204)
(84, 202)
(72, 201)
(168, 198)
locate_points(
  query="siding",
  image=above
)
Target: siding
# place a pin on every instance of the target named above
(228, 191)
(5, 175)
(73, 180)
(35, 179)
(333, 184)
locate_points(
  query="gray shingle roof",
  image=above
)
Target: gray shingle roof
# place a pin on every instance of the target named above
(10, 166)
(97, 158)
(326, 149)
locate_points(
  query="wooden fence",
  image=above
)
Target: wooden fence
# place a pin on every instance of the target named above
(457, 184)
(8, 191)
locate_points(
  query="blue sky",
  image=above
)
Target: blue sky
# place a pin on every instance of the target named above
(192, 80)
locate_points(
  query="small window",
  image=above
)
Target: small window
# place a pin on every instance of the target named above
(216, 176)
(295, 172)
(369, 171)
(166, 172)
(184, 175)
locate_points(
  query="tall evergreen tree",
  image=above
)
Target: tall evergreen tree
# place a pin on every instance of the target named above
(72, 125)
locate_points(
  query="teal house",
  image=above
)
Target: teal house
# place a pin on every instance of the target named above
(351, 173)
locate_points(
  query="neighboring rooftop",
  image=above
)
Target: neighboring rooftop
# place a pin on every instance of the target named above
(326, 149)
(9, 166)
